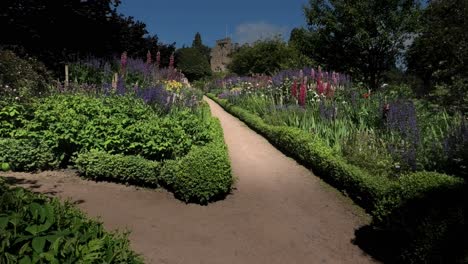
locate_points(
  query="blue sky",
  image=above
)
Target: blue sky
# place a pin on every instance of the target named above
(246, 20)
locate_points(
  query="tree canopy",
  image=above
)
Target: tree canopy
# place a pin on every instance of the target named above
(57, 31)
(266, 57)
(192, 63)
(363, 38)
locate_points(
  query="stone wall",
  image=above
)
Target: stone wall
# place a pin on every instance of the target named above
(220, 55)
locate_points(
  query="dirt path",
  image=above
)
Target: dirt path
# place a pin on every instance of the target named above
(278, 213)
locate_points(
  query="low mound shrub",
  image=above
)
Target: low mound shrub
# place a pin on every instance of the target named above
(100, 165)
(204, 174)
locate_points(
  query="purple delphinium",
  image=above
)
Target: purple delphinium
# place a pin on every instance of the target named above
(120, 86)
(401, 118)
(329, 112)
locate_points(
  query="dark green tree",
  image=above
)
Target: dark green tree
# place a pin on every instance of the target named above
(60, 31)
(198, 44)
(439, 54)
(361, 37)
(266, 57)
(192, 63)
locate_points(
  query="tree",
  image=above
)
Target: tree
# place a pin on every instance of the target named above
(198, 44)
(439, 53)
(266, 57)
(60, 31)
(192, 63)
(361, 37)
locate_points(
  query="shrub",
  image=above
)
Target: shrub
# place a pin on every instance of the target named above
(35, 229)
(100, 165)
(417, 218)
(26, 155)
(371, 192)
(204, 174)
(70, 124)
(22, 78)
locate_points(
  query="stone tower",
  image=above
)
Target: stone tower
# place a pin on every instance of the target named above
(220, 55)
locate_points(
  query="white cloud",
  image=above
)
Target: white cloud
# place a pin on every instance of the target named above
(251, 32)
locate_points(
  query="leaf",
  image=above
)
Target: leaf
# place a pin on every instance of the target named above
(25, 260)
(33, 229)
(38, 244)
(3, 222)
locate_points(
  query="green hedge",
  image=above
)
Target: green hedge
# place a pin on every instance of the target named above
(26, 155)
(204, 174)
(100, 165)
(377, 194)
(420, 213)
(36, 229)
(201, 176)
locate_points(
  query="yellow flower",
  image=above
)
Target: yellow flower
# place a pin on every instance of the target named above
(173, 86)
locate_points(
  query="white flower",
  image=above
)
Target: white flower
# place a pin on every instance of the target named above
(17, 98)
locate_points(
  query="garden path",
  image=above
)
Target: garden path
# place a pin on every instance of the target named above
(279, 212)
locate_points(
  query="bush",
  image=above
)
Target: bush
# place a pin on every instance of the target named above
(26, 155)
(204, 174)
(416, 218)
(70, 124)
(367, 190)
(100, 165)
(36, 229)
(22, 78)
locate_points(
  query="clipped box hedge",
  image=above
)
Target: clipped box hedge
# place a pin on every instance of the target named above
(378, 195)
(100, 165)
(420, 217)
(201, 176)
(204, 174)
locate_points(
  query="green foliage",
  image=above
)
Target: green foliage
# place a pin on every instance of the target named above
(198, 44)
(35, 229)
(363, 38)
(99, 165)
(22, 78)
(193, 63)
(440, 51)
(204, 174)
(30, 28)
(368, 190)
(26, 155)
(417, 218)
(69, 124)
(266, 57)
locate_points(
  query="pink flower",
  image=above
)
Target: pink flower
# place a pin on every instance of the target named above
(123, 61)
(294, 89)
(148, 58)
(171, 61)
(158, 59)
(303, 92)
(320, 88)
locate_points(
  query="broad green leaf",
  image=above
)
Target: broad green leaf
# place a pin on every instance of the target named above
(38, 244)
(25, 260)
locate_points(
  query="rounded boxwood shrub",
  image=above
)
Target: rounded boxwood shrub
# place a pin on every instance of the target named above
(204, 174)
(100, 165)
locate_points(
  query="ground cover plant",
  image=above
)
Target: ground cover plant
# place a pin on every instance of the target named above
(37, 229)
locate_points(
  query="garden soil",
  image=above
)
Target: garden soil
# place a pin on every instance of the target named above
(278, 212)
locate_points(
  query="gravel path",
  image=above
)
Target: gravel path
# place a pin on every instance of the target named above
(279, 211)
